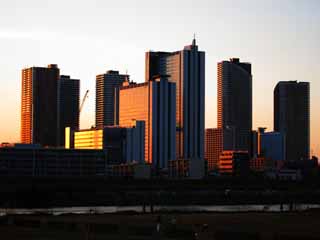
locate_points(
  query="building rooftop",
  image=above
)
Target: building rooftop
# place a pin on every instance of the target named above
(65, 76)
(134, 85)
(112, 72)
(53, 66)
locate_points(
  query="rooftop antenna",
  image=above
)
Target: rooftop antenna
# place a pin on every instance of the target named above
(127, 77)
(194, 39)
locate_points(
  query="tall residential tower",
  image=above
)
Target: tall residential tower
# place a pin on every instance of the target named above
(292, 118)
(235, 103)
(68, 105)
(39, 105)
(107, 86)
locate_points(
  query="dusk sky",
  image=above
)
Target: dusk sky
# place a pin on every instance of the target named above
(86, 38)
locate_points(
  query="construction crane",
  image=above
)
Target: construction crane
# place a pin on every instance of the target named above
(83, 100)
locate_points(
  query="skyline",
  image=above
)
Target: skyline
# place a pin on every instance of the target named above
(278, 55)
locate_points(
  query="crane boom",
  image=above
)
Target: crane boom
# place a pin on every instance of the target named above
(83, 100)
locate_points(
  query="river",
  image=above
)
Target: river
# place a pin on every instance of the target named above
(156, 208)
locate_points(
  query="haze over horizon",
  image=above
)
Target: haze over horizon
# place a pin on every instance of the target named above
(87, 38)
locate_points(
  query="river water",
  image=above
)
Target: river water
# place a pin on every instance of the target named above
(139, 209)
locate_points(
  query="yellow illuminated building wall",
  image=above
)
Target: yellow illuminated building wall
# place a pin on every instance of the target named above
(88, 139)
(67, 133)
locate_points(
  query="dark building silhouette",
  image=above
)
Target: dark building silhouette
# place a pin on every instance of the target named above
(186, 68)
(292, 117)
(39, 105)
(34, 160)
(107, 87)
(235, 104)
(125, 144)
(68, 105)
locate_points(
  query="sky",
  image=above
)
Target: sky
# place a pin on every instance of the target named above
(87, 38)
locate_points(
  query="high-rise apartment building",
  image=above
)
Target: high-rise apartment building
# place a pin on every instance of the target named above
(39, 105)
(186, 68)
(154, 103)
(68, 105)
(235, 102)
(107, 86)
(292, 118)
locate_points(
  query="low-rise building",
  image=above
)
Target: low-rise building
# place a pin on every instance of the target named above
(178, 168)
(130, 170)
(213, 146)
(260, 164)
(123, 144)
(284, 174)
(34, 160)
(272, 145)
(234, 163)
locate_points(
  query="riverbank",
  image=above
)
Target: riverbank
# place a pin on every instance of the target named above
(97, 191)
(245, 225)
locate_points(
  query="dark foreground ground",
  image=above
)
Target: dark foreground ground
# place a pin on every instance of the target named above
(221, 226)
